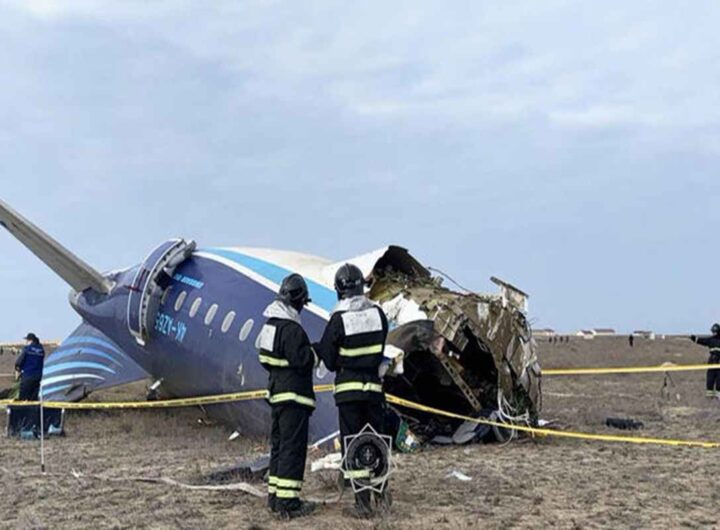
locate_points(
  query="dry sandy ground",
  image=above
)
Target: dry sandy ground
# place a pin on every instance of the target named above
(530, 484)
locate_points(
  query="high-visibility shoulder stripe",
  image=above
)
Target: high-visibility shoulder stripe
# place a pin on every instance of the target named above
(356, 386)
(273, 361)
(365, 350)
(291, 396)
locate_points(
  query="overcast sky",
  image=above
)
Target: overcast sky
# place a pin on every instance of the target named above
(571, 148)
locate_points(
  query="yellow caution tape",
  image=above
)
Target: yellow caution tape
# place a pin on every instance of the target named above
(261, 394)
(552, 432)
(163, 404)
(629, 369)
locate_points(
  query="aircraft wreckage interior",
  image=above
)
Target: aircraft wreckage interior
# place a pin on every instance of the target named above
(467, 353)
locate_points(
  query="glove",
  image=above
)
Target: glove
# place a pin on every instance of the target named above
(384, 368)
(693, 338)
(17, 375)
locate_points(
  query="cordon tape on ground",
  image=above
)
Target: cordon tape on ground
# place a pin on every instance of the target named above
(667, 367)
(604, 370)
(261, 394)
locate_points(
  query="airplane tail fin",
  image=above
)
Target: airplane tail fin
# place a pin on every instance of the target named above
(67, 265)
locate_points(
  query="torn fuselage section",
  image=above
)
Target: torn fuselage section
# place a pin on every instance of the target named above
(470, 354)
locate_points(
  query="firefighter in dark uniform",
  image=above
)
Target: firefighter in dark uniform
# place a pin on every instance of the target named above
(286, 353)
(352, 346)
(29, 368)
(712, 385)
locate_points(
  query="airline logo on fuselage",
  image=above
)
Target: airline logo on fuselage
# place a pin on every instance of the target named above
(187, 280)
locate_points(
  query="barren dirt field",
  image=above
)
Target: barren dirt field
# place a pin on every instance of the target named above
(542, 483)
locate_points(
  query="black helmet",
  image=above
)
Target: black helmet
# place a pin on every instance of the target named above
(349, 281)
(715, 329)
(294, 291)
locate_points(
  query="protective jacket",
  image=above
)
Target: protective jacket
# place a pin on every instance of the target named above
(713, 343)
(285, 352)
(352, 346)
(31, 360)
(712, 380)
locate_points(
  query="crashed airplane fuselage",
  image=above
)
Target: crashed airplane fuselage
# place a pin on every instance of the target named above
(189, 318)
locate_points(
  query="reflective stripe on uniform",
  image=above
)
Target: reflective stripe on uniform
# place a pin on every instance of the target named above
(287, 494)
(354, 386)
(356, 473)
(272, 483)
(365, 350)
(714, 350)
(273, 361)
(291, 396)
(289, 483)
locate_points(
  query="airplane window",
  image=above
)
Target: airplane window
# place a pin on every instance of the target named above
(195, 307)
(246, 329)
(211, 314)
(228, 321)
(180, 300)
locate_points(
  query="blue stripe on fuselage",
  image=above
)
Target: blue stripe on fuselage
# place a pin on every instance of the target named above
(53, 390)
(321, 295)
(89, 340)
(62, 353)
(71, 365)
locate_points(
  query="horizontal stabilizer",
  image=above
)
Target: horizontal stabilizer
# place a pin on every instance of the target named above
(67, 265)
(85, 362)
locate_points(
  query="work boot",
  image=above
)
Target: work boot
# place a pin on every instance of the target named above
(710, 394)
(292, 510)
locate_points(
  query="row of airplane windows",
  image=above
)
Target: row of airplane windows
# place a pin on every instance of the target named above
(211, 313)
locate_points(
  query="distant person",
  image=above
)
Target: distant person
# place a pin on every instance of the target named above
(29, 368)
(286, 353)
(631, 340)
(712, 385)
